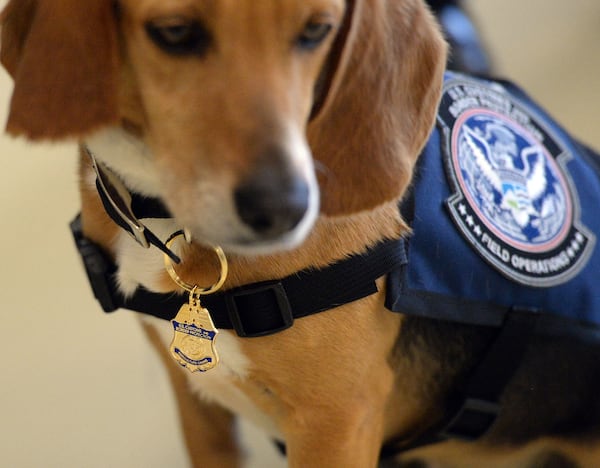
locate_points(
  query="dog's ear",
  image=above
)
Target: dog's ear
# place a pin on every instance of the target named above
(377, 104)
(63, 57)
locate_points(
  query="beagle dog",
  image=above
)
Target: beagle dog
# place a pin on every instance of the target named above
(283, 133)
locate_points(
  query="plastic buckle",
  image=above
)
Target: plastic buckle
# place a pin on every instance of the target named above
(472, 420)
(253, 323)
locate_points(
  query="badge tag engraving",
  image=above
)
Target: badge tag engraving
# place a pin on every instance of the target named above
(193, 344)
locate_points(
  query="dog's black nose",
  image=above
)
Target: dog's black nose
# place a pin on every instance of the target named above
(272, 201)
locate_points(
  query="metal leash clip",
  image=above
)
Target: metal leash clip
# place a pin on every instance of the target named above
(117, 202)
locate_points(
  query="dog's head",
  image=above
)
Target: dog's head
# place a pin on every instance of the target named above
(237, 107)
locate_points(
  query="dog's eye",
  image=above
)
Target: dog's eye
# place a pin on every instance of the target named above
(179, 36)
(313, 34)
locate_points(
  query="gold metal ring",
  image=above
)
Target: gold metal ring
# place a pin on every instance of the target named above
(193, 288)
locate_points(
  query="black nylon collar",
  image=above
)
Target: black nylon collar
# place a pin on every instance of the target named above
(256, 309)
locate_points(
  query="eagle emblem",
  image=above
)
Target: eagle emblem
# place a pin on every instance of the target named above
(515, 187)
(511, 193)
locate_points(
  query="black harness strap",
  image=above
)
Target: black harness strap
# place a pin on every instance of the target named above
(478, 408)
(257, 309)
(474, 411)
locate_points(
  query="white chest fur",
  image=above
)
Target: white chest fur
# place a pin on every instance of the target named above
(145, 266)
(217, 385)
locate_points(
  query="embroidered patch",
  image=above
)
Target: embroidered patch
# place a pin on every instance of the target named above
(513, 199)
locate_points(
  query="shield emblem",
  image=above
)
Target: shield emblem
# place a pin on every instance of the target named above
(193, 344)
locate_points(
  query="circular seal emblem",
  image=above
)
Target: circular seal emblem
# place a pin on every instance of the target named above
(513, 201)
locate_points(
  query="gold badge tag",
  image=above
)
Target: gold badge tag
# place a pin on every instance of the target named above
(193, 344)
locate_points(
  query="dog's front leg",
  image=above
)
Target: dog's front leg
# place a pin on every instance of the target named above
(340, 420)
(336, 383)
(209, 430)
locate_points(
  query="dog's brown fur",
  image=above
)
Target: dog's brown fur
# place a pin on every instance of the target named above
(367, 102)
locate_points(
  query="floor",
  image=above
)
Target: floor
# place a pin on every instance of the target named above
(80, 389)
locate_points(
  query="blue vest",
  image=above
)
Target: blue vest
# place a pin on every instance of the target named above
(505, 214)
